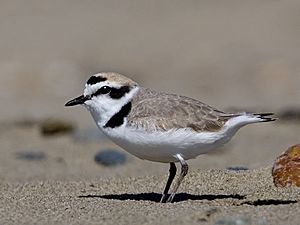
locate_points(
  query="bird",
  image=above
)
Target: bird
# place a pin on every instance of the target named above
(158, 126)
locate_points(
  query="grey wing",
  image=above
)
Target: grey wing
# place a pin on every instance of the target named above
(159, 111)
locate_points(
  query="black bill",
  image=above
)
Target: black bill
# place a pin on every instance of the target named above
(77, 101)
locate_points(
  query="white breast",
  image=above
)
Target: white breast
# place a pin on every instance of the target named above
(163, 146)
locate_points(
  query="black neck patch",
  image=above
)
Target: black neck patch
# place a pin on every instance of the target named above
(95, 80)
(118, 119)
(117, 93)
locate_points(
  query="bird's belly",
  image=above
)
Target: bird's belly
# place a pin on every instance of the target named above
(163, 146)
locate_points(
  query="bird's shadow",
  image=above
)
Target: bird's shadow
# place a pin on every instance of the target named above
(155, 197)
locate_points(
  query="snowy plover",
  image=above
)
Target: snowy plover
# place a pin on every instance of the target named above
(158, 126)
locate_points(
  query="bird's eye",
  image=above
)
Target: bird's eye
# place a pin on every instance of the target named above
(104, 90)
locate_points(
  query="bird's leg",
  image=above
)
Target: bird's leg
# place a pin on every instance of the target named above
(184, 171)
(172, 173)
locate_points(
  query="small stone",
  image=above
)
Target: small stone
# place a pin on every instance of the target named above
(286, 168)
(31, 156)
(110, 157)
(53, 126)
(237, 168)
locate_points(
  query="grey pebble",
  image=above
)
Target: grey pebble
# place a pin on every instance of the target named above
(110, 157)
(237, 168)
(31, 156)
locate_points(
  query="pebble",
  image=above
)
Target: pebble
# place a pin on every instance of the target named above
(286, 168)
(52, 126)
(31, 156)
(237, 168)
(110, 157)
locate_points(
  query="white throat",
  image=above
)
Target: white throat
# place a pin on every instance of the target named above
(104, 107)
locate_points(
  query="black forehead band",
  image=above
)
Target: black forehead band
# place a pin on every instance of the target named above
(96, 79)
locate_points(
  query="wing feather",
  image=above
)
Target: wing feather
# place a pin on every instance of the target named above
(160, 111)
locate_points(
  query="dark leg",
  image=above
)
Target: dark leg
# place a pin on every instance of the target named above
(184, 171)
(172, 173)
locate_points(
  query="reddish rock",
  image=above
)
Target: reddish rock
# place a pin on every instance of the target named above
(286, 168)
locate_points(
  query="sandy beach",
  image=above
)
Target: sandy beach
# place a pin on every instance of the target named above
(66, 186)
(220, 198)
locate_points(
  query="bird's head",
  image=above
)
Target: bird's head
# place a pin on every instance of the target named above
(105, 94)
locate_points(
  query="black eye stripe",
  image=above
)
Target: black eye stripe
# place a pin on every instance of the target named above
(115, 93)
(95, 80)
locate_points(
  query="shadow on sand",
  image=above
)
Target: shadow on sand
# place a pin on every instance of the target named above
(155, 197)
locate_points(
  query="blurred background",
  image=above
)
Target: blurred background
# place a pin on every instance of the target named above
(231, 54)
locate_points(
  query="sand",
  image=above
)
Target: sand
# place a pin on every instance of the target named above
(206, 197)
(66, 186)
